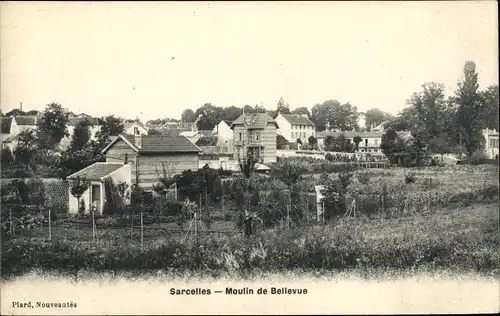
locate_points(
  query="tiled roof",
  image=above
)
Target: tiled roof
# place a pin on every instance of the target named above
(5, 124)
(254, 120)
(206, 132)
(26, 120)
(9, 139)
(130, 124)
(97, 171)
(72, 121)
(297, 119)
(350, 134)
(164, 144)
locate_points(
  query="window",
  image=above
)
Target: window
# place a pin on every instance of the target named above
(136, 130)
(376, 141)
(241, 137)
(366, 142)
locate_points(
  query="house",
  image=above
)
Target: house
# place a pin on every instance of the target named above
(255, 133)
(23, 123)
(491, 142)
(138, 160)
(224, 135)
(193, 136)
(6, 135)
(97, 173)
(13, 126)
(134, 128)
(380, 127)
(370, 141)
(94, 127)
(294, 126)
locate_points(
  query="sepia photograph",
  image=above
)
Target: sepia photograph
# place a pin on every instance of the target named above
(249, 157)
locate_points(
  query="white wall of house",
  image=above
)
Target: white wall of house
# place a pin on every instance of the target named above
(368, 144)
(285, 129)
(292, 131)
(121, 175)
(491, 142)
(134, 129)
(74, 203)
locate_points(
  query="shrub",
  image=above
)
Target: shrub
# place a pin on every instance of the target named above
(480, 158)
(410, 178)
(363, 177)
(329, 157)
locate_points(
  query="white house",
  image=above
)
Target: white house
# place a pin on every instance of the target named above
(370, 141)
(225, 135)
(294, 126)
(491, 142)
(95, 195)
(135, 128)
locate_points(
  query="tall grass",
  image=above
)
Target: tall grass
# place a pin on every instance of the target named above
(434, 242)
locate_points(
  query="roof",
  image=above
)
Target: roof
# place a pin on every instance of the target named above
(189, 133)
(97, 171)
(158, 144)
(5, 124)
(26, 119)
(350, 134)
(72, 121)
(10, 139)
(297, 119)
(130, 124)
(206, 132)
(254, 120)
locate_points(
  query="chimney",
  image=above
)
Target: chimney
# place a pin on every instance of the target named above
(138, 140)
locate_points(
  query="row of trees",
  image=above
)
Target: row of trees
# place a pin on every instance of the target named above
(38, 153)
(331, 113)
(449, 124)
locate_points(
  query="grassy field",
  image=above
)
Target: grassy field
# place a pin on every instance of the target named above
(460, 233)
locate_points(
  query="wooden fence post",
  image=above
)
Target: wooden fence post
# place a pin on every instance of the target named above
(50, 226)
(142, 230)
(93, 227)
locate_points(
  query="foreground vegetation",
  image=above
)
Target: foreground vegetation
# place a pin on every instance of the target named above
(461, 240)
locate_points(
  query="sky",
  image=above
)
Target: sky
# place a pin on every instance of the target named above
(156, 59)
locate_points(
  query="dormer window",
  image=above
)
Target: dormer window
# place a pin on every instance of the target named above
(136, 130)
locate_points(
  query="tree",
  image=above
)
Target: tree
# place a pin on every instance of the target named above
(336, 115)
(248, 109)
(430, 107)
(374, 117)
(489, 98)
(299, 141)
(357, 139)
(188, 116)
(302, 111)
(109, 126)
(81, 135)
(6, 158)
(33, 112)
(468, 100)
(51, 128)
(231, 113)
(210, 116)
(313, 141)
(282, 107)
(15, 112)
(74, 160)
(247, 165)
(26, 147)
(78, 186)
(281, 142)
(329, 142)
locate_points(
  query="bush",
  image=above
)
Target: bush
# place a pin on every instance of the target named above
(480, 158)
(410, 178)
(329, 157)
